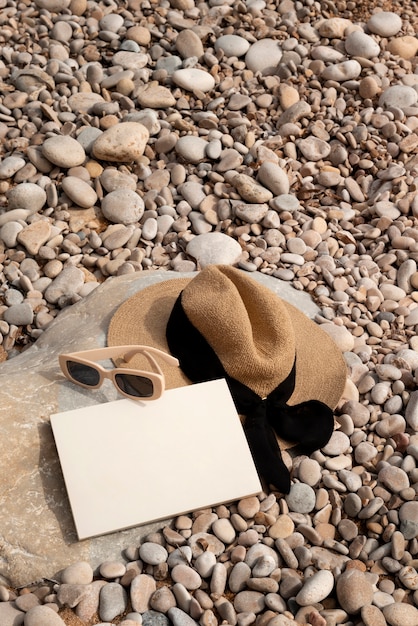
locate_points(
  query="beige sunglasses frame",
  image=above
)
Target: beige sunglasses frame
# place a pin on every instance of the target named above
(90, 358)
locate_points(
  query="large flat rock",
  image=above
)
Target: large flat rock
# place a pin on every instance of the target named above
(37, 533)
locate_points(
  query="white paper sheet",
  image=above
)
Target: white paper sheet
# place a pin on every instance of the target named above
(127, 463)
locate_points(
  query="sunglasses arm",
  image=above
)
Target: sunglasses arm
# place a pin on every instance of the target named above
(127, 352)
(148, 351)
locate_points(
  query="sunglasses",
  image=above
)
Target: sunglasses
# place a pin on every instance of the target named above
(80, 368)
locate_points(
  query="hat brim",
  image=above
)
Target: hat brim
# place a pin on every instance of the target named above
(142, 319)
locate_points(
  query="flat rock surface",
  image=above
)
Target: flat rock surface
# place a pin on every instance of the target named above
(38, 537)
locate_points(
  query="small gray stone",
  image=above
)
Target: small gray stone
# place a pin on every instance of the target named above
(19, 314)
(360, 44)
(400, 96)
(191, 78)
(354, 591)
(180, 618)
(27, 196)
(264, 56)
(66, 284)
(232, 45)
(64, 151)
(340, 72)
(42, 616)
(316, 588)
(214, 247)
(123, 206)
(113, 601)
(10, 165)
(384, 23)
(301, 498)
(192, 149)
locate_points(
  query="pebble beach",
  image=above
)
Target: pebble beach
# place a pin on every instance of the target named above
(280, 137)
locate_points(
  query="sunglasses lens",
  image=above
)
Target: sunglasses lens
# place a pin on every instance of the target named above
(136, 386)
(83, 374)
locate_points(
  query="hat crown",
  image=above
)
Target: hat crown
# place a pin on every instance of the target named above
(246, 325)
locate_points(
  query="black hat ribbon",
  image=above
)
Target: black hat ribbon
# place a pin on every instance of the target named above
(309, 423)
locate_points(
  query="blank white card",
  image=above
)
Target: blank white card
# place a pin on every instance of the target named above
(127, 463)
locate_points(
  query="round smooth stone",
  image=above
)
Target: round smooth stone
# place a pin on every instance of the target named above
(232, 45)
(239, 576)
(149, 618)
(66, 284)
(272, 176)
(112, 22)
(19, 314)
(264, 56)
(9, 233)
(359, 44)
(365, 452)
(224, 530)
(411, 413)
(142, 588)
(42, 616)
(123, 206)
(309, 472)
(129, 60)
(153, 553)
(205, 563)
(385, 23)
(61, 31)
(334, 27)
(150, 229)
(79, 191)
(406, 47)
(191, 78)
(401, 614)
(283, 527)
(27, 196)
(354, 591)
(316, 588)
(409, 577)
(342, 337)
(186, 576)
(313, 148)
(179, 555)
(113, 601)
(214, 247)
(124, 143)
(252, 213)
(111, 179)
(301, 498)
(112, 569)
(399, 96)
(338, 444)
(248, 507)
(340, 72)
(192, 149)
(249, 190)
(180, 618)
(350, 479)
(10, 165)
(258, 551)
(263, 567)
(162, 600)
(408, 514)
(80, 573)
(188, 44)
(249, 602)
(394, 478)
(64, 151)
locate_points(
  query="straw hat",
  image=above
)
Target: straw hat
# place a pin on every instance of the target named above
(284, 372)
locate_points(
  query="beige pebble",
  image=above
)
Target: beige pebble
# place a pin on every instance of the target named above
(248, 507)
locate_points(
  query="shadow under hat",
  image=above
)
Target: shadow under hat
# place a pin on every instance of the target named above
(285, 374)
